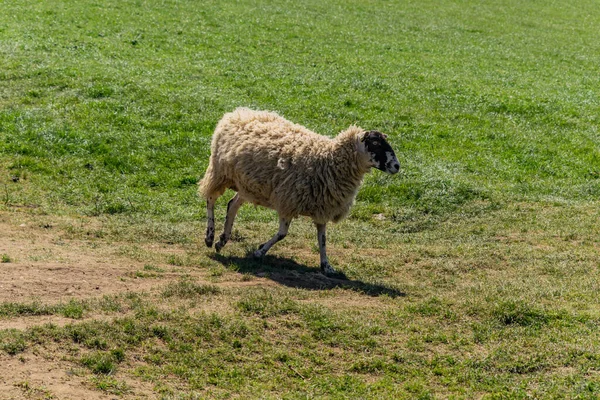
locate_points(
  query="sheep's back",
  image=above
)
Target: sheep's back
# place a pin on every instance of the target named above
(271, 161)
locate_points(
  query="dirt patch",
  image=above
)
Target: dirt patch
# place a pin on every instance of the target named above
(23, 323)
(37, 377)
(39, 265)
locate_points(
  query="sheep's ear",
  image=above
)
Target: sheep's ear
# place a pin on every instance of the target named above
(364, 136)
(384, 135)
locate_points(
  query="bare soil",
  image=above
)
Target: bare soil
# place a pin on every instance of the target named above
(45, 267)
(33, 376)
(42, 266)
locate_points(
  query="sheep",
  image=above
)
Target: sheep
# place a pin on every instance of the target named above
(272, 162)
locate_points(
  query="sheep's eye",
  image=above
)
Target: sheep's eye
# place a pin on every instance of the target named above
(375, 143)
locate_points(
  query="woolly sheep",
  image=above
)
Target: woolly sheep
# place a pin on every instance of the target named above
(272, 162)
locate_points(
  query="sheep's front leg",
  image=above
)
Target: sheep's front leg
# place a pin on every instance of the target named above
(284, 225)
(232, 208)
(322, 238)
(210, 221)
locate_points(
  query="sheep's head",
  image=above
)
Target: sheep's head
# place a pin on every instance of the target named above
(381, 155)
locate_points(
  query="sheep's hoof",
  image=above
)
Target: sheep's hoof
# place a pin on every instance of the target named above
(219, 246)
(209, 238)
(258, 253)
(330, 272)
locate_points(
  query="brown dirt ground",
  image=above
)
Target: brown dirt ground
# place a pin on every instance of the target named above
(33, 376)
(46, 267)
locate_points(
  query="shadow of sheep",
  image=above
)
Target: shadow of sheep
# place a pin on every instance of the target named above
(289, 273)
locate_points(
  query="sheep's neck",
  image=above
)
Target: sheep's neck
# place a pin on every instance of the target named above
(344, 170)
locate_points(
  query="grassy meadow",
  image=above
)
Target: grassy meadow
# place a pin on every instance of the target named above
(473, 273)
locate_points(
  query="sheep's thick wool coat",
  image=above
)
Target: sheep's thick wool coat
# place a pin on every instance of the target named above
(275, 163)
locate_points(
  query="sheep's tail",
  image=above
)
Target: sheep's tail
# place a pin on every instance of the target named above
(213, 183)
(204, 186)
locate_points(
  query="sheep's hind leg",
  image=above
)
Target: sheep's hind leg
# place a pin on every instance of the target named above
(232, 208)
(284, 225)
(210, 221)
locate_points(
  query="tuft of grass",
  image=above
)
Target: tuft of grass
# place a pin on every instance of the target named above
(267, 304)
(32, 391)
(103, 362)
(153, 268)
(73, 309)
(109, 384)
(174, 259)
(5, 258)
(110, 304)
(325, 324)
(16, 309)
(13, 342)
(189, 289)
(431, 307)
(373, 366)
(520, 313)
(143, 274)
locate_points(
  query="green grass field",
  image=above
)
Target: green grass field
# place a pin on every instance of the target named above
(474, 273)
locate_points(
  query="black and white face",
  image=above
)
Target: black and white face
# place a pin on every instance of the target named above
(381, 153)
